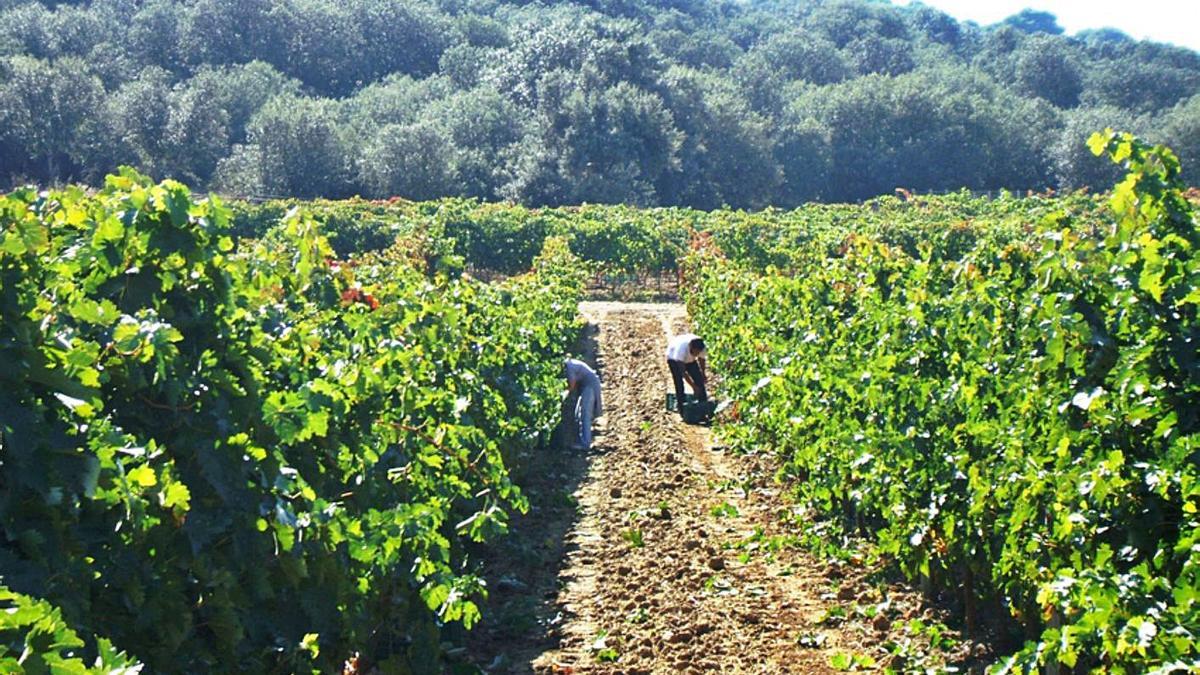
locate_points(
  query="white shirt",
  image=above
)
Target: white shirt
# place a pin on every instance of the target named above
(679, 348)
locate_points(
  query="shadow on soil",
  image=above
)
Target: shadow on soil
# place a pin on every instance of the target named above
(521, 617)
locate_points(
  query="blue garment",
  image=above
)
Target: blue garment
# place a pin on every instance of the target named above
(586, 409)
(589, 406)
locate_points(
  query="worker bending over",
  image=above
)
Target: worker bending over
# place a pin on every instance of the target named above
(686, 358)
(583, 380)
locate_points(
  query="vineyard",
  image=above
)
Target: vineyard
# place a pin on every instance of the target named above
(292, 436)
(1011, 418)
(256, 460)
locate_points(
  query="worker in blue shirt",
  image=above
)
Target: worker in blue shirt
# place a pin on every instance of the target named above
(581, 379)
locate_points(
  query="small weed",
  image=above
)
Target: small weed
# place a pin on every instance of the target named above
(639, 615)
(914, 651)
(634, 537)
(833, 616)
(724, 510)
(720, 485)
(600, 648)
(719, 585)
(759, 542)
(934, 633)
(847, 661)
(864, 611)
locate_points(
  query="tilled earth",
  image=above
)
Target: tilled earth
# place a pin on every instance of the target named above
(659, 553)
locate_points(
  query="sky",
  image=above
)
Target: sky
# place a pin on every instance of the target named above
(1172, 21)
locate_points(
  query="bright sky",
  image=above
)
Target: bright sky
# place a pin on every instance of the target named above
(1173, 21)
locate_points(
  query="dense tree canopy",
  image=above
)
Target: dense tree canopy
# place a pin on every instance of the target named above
(671, 102)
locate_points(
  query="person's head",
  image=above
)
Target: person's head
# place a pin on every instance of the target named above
(696, 347)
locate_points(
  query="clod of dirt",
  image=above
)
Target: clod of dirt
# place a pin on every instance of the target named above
(716, 564)
(846, 593)
(750, 618)
(680, 637)
(615, 493)
(881, 623)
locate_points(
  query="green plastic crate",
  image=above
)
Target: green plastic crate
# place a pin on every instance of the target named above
(694, 412)
(687, 398)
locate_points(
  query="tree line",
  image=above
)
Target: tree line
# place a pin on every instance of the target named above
(678, 102)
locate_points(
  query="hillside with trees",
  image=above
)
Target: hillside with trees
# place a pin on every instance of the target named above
(699, 104)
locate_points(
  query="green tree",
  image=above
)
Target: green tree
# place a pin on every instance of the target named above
(486, 130)
(28, 29)
(1142, 86)
(48, 113)
(698, 47)
(399, 99)
(135, 119)
(240, 90)
(221, 32)
(725, 157)
(400, 37)
(1181, 131)
(294, 148)
(871, 53)
(1034, 21)
(323, 46)
(766, 69)
(158, 34)
(197, 132)
(595, 51)
(606, 145)
(1073, 164)
(928, 131)
(936, 26)
(1048, 68)
(843, 21)
(415, 161)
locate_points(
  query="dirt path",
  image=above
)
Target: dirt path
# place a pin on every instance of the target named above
(658, 553)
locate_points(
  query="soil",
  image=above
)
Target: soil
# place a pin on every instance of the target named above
(660, 552)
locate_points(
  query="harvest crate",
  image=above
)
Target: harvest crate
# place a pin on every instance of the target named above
(694, 412)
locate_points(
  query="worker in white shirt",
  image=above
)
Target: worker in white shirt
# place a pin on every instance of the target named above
(686, 358)
(583, 380)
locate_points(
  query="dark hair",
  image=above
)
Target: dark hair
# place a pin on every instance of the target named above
(697, 344)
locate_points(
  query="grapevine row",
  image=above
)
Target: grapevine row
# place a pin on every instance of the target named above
(265, 459)
(1015, 422)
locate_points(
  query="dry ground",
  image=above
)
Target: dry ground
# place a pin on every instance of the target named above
(658, 552)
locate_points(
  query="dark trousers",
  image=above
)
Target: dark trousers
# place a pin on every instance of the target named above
(677, 370)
